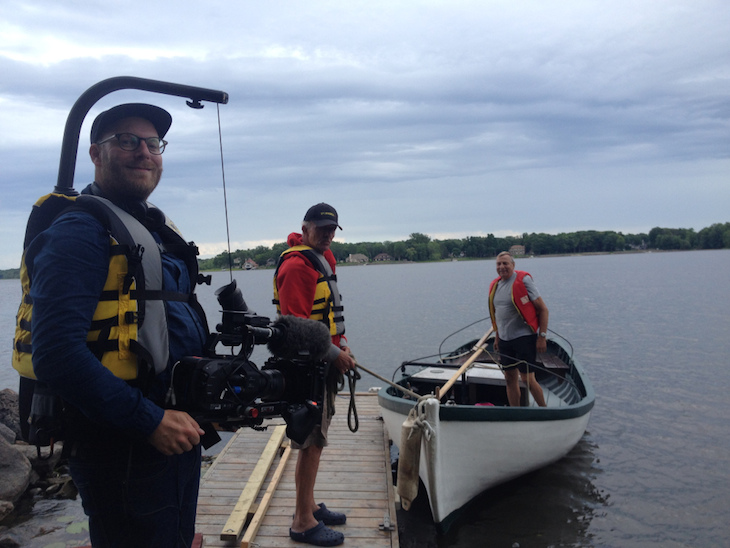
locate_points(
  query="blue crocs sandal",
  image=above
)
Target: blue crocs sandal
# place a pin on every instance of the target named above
(319, 535)
(328, 517)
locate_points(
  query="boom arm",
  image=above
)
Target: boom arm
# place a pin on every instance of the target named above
(69, 148)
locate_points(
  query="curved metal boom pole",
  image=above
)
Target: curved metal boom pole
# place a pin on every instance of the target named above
(69, 148)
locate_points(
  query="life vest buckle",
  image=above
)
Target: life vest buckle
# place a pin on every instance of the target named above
(134, 260)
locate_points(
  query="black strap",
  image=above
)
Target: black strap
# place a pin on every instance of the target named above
(21, 347)
(105, 324)
(100, 347)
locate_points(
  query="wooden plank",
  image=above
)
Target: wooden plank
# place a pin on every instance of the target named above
(551, 361)
(258, 517)
(233, 527)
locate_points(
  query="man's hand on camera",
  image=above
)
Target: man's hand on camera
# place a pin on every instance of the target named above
(177, 432)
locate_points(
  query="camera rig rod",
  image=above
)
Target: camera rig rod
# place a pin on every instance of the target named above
(70, 145)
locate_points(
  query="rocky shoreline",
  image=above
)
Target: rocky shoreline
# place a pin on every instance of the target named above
(24, 474)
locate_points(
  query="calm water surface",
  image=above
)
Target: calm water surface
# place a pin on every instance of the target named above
(652, 332)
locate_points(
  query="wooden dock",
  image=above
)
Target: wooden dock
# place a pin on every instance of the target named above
(250, 486)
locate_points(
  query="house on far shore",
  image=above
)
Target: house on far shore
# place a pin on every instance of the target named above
(382, 257)
(356, 258)
(250, 264)
(517, 250)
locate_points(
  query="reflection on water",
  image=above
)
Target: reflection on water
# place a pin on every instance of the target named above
(558, 502)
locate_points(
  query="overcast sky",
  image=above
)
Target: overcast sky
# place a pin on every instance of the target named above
(451, 118)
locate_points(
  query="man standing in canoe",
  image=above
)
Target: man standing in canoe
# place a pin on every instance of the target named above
(520, 322)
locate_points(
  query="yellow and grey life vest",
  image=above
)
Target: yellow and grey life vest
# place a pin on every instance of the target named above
(327, 307)
(128, 332)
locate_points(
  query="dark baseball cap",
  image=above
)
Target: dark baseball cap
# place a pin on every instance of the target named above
(322, 215)
(157, 116)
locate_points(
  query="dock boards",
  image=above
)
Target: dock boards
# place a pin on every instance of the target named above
(354, 478)
(243, 508)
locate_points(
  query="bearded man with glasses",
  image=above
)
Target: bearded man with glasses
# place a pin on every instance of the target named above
(113, 308)
(129, 161)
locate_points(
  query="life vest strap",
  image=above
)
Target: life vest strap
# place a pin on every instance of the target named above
(22, 347)
(104, 345)
(119, 249)
(106, 323)
(145, 367)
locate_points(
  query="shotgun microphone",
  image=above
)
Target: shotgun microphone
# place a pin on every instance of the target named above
(290, 337)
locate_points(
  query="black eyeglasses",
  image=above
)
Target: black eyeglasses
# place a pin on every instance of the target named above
(130, 141)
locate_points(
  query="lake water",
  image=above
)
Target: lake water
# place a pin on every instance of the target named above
(653, 333)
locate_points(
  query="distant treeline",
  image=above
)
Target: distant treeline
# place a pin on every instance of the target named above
(420, 247)
(10, 273)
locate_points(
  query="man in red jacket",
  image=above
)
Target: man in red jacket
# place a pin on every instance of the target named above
(305, 285)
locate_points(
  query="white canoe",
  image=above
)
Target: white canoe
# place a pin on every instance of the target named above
(476, 441)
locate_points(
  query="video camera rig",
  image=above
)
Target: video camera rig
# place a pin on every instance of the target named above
(231, 391)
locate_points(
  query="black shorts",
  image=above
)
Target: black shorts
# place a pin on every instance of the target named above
(518, 351)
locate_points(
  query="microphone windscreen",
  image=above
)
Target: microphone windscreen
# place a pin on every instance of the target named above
(300, 337)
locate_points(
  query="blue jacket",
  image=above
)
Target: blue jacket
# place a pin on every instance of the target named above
(68, 264)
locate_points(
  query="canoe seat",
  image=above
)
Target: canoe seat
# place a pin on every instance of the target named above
(551, 361)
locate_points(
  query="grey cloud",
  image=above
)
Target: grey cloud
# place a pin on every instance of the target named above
(412, 117)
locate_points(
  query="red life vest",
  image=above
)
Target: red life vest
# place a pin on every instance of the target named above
(520, 299)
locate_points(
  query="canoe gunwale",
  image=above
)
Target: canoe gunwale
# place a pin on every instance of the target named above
(473, 413)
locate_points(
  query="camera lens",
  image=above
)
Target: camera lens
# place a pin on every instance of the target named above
(231, 298)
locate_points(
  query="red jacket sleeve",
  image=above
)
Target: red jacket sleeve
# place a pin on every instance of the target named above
(297, 283)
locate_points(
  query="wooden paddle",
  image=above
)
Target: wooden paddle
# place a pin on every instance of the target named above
(467, 364)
